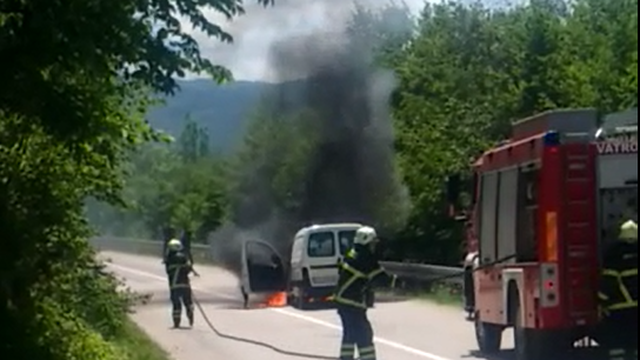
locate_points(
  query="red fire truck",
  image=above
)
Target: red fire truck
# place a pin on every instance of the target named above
(545, 204)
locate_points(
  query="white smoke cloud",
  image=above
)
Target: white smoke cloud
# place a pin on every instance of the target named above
(254, 33)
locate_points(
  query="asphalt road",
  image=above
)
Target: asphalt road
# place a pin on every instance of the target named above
(407, 330)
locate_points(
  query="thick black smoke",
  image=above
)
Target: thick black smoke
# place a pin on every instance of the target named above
(351, 172)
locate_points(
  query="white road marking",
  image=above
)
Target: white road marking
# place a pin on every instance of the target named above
(389, 343)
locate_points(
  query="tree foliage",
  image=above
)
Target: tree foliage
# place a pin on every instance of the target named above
(465, 71)
(182, 184)
(76, 81)
(274, 156)
(472, 70)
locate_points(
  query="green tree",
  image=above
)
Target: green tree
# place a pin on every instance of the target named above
(271, 164)
(75, 84)
(180, 184)
(464, 72)
(470, 71)
(193, 142)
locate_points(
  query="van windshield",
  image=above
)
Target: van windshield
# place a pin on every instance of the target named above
(321, 244)
(346, 240)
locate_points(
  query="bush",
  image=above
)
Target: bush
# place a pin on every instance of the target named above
(65, 335)
(72, 100)
(58, 302)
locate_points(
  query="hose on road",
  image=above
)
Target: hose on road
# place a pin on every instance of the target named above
(255, 342)
(306, 355)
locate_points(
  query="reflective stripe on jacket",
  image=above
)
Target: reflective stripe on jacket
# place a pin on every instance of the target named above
(178, 269)
(619, 278)
(357, 273)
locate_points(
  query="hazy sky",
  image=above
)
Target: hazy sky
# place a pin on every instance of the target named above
(255, 31)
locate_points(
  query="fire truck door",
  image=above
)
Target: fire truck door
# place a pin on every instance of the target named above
(262, 268)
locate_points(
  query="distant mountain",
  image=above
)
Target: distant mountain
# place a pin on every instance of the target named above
(222, 109)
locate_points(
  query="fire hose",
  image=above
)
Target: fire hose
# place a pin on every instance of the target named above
(255, 342)
(278, 350)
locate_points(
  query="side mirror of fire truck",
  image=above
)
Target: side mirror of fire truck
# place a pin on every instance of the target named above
(453, 196)
(453, 188)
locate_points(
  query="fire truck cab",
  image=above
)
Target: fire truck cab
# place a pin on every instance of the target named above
(545, 204)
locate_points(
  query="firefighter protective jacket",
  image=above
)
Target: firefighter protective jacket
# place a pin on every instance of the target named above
(178, 269)
(619, 281)
(359, 271)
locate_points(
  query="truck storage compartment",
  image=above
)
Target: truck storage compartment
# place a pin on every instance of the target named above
(618, 191)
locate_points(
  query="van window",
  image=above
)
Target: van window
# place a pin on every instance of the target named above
(322, 244)
(346, 240)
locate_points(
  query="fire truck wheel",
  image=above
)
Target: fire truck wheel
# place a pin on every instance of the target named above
(488, 336)
(530, 344)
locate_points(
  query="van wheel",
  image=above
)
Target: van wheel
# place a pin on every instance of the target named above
(302, 305)
(488, 336)
(299, 300)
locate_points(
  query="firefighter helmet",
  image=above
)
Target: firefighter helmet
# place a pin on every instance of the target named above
(174, 245)
(365, 235)
(629, 231)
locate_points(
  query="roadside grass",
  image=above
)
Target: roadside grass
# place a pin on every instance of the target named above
(135, 344)
(443, 295)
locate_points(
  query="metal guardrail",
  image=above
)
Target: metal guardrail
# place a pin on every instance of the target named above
(200, 252)
(425, 272)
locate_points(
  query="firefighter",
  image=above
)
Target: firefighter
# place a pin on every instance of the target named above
(359, 270)
(178, 268)
(619, 294)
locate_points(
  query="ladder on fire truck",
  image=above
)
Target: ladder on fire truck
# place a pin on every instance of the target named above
(578, 182)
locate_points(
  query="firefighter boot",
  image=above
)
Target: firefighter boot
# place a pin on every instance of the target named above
(190, 316)
(367, 353)
(347, 351)
(176, 316)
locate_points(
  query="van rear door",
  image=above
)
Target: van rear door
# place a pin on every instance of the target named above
(322, 258)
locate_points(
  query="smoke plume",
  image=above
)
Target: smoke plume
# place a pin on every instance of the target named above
(350, 175)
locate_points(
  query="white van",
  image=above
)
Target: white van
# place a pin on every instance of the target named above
(315, 255)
